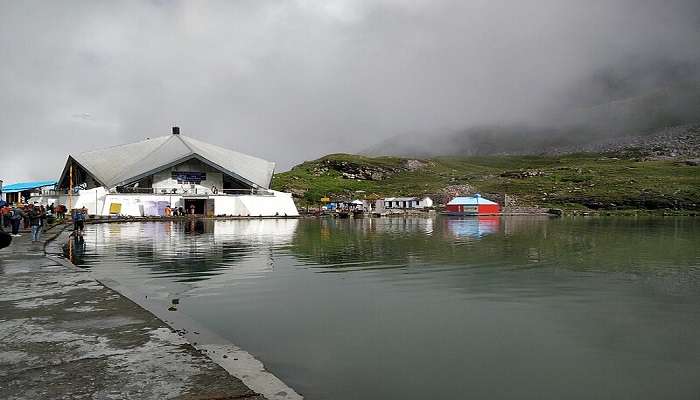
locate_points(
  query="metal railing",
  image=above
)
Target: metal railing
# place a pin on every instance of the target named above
(54, 192)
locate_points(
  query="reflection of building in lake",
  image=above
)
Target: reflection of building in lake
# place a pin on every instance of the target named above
(384, 225)
(472, 227)
(404, 225)
(143, 178)
(193, 249)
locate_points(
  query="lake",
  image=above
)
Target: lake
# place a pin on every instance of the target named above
(434, 308)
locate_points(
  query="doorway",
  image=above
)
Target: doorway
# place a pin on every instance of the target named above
(199, 206)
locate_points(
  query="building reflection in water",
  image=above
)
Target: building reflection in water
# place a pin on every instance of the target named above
(227, 253)
(190, 251)
(199, 226)
(472, 227)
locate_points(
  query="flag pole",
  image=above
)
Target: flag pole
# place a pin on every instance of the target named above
(70, 190)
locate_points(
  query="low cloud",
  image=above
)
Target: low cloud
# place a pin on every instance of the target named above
(290, 81)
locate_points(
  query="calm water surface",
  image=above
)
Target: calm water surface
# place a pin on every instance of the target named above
(509, 308)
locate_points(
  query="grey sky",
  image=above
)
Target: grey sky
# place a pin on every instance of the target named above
(292, 80)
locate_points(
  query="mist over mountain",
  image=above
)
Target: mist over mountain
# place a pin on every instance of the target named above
(630, 100)
(295, 80)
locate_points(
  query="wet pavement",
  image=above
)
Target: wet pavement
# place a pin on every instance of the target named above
(64, 335)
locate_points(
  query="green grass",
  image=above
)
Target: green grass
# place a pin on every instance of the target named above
(577, 181)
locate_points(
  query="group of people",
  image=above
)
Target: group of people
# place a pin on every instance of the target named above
(34, 216)
(59, 210)
(174, 211)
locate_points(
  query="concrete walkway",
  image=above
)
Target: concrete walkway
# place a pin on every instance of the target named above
(63, 335)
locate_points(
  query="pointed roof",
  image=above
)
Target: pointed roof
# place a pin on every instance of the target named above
(119, 165)
(470, 201)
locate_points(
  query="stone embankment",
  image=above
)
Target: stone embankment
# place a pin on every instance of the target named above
(65, 335)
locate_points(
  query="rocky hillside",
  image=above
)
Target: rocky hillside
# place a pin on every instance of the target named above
(668, 143)
(599, 181)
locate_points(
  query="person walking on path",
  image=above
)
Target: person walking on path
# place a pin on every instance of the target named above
(16, 220)
(36, 215)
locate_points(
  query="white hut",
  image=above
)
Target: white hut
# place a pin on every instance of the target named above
(402, 203)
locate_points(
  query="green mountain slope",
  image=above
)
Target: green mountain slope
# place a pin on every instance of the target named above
(577, 181)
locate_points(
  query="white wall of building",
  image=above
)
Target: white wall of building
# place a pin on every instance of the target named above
(98, 202)
(92, 199)
(229, 205)
(280, 204)
(139, 205)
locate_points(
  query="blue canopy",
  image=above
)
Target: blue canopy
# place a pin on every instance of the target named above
(22, 186)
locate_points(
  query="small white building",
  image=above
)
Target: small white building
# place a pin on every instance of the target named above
(402, 203)
(143, 178)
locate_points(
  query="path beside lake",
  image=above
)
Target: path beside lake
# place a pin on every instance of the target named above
(63, 334)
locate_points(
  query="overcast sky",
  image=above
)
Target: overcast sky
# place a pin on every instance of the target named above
(293, 80)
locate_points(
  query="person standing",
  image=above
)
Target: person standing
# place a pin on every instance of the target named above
(7, 210)
(25, 215)
(43, 218)
(16, 220)
(4, 216)
(79, 220)
(35, 220)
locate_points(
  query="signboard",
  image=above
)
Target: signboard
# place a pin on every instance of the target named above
(184, 177)
(325, 199)
(115, 208)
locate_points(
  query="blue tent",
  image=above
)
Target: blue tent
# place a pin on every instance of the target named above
(22, 186)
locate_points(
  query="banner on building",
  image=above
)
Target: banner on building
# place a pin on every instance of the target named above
(185, 177)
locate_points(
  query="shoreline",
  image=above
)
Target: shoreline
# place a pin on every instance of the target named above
(68, 331)
(235, 361)
(66, 335)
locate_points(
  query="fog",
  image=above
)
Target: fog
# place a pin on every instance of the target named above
(293, 80)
